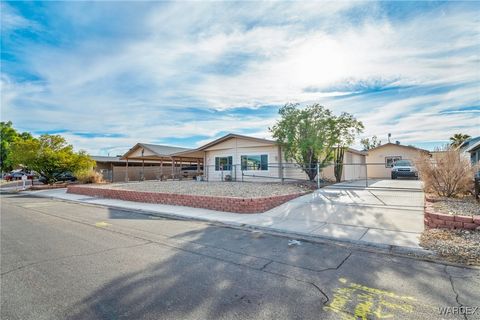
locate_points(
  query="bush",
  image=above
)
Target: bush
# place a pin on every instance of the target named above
(448, 174)
(89, 176)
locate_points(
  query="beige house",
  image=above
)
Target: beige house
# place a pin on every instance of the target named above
(245, 158)
(380, 160)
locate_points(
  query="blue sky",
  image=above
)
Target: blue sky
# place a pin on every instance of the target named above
(109, 74)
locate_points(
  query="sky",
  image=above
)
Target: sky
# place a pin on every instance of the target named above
(107, 74)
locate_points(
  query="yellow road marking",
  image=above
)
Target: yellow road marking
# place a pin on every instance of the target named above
(355, 301)
(102, 224)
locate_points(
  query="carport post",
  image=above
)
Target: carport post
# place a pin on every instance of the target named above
(366, 175)
(161, 169)
(143, 166)
(126, 170)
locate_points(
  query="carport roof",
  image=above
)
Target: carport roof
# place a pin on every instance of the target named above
(158, 149)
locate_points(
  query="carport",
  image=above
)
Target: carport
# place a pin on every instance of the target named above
(173, 162)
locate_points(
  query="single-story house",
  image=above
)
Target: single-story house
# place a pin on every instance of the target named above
(245, 158)
(380, 160)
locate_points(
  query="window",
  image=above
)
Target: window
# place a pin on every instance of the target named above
(255, 162)
(223, 163)
(389, 161)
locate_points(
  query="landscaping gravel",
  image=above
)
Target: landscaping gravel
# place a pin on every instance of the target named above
(224, 189)
(467, 206)
(461, 246)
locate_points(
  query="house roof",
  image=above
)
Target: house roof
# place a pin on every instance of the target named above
(234, 135)
(474, 146)
(468, 143)
(398, 145)
(158, 149)
(224, 138)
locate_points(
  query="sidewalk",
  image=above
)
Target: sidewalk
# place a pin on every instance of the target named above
(365, 217)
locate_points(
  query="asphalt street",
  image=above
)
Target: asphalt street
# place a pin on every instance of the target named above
(64, 260)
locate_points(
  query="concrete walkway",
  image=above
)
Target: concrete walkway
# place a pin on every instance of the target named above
(382, 217)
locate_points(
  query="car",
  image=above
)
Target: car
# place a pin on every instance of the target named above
(404, 168)
(61, 177)
(18, 174)
(191, 171)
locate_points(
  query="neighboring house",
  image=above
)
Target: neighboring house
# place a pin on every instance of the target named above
(380, 160)
(474, 151)
(472, 147)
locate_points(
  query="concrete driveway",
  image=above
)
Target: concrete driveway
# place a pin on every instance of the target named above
(388, 212)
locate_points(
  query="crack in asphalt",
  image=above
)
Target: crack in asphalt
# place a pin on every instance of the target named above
(457, 296)
(266, 264)
(71, 256)
(339, 265)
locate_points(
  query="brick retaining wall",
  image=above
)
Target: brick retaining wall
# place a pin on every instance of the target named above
(434, 219)
(229, 204)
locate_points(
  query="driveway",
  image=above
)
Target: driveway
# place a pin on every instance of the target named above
(387, 212)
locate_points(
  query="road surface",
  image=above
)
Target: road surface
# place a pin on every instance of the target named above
(63, 260)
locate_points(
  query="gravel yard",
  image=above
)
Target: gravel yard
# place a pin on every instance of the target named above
(222, 189)
(467, 206)
(459, 246)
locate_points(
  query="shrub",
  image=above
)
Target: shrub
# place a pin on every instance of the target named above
(448, 174)
(89, 176)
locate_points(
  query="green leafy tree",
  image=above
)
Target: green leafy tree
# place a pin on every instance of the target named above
(8, 135)
(457, 139)
(49, 155)
(370, 143)
(309, 135)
